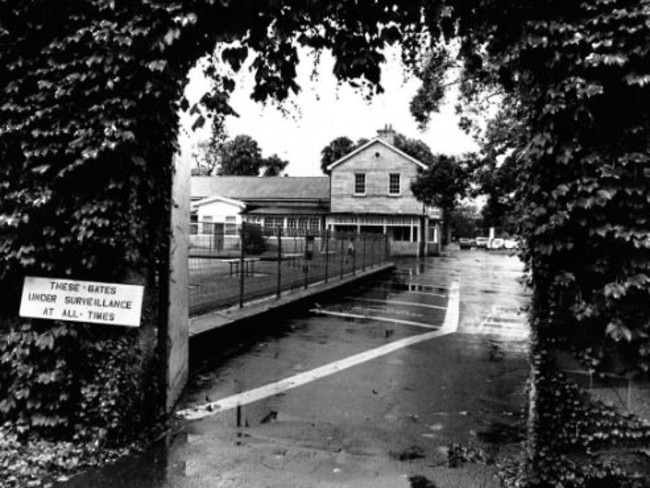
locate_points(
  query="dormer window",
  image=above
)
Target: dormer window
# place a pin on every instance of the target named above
(359, 183)
(394, 187)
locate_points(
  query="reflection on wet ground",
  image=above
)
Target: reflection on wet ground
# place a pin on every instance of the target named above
(366, 425)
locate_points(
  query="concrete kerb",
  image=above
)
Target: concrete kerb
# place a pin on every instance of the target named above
(229, 316)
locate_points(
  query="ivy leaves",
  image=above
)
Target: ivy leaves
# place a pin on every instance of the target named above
(577, 79)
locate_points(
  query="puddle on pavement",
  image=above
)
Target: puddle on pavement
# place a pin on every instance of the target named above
(418, 269)
(418, 481)
(501, 433)
(408, 286)
(413, 401)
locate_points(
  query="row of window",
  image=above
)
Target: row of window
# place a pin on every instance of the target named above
(397, 233)
(294, 226)
(207, 226)
(311, 223)
(228, 228)
(394, 186)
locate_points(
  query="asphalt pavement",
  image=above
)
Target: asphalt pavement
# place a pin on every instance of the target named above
(367, 387)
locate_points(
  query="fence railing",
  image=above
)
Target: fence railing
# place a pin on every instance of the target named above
(223, 272)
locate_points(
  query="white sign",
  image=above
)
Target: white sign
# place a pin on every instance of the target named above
(434, 213)
(81, 301)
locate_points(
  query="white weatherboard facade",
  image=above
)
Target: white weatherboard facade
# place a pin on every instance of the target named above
(215, 223)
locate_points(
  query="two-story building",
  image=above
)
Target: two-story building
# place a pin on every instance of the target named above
(370, 191)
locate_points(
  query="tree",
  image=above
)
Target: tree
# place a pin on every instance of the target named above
(466, 220)
(273, 165)
(90, 95)
(502, 210)
(90, 100)
(495, 170)
(343, 145)
(443, 184)
(335, 150)
(414, 148)
(450, 185)
(208, 157)
(240, 156)
(578, 73)
(577, 151)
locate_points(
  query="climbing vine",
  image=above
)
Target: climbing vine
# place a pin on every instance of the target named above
(88, 123)
(91, 92)
(583, 442)
(577, 74)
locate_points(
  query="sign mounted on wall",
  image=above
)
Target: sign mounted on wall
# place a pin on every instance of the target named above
(81, 301)
(434, 213)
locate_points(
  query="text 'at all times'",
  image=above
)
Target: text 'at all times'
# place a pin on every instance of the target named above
(81, 301)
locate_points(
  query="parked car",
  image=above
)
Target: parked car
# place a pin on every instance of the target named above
(496, 244)
(511, 244)
(465, 242)
(482, 242)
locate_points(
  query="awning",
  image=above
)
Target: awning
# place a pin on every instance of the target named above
(287, 211)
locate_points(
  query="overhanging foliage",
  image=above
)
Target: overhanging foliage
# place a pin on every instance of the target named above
(90, 92)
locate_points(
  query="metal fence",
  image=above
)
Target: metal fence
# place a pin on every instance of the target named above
(223, 272)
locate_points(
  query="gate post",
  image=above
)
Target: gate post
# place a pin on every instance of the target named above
(342, 250)
(386, 250)
(327, 252)
(354, 254)
(279, 261)
(241, 266)
(176, 349)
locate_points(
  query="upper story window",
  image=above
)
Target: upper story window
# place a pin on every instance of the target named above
(394, 184)
(359, 183)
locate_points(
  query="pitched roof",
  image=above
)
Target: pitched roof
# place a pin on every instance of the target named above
(248, 188)
(370, 143)
(218, 198)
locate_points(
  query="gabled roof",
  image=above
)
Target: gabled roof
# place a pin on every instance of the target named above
(247, 188)
(370, 143)
(218, 198)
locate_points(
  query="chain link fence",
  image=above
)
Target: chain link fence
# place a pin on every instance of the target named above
(271, 261)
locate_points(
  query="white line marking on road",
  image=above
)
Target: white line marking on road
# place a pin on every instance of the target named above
(504, 325)
(303, 378)
(389, 310)
(412, 292)
(396, 302)
(453, 307)
(322, 311)
(426, 293)
(449, 327)
(411, 283)
(505, 330)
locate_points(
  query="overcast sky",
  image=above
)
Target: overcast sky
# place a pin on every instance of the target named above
(322, 111)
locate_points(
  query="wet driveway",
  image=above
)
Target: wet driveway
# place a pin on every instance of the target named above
(368, 387)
